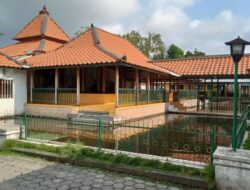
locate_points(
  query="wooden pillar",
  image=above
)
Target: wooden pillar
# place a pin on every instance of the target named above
(78, 79)
(239, 91)
(226, 89)
(56, 86)
(31, 85)
(103, 80)
(136, 79)
(217, 95)
(117, 86)
(204, 93)
(198, 97)
(148, 81)
(136, 86)
(211, 95)
(148, 87)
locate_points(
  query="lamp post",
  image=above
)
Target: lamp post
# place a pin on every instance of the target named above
(237, 48)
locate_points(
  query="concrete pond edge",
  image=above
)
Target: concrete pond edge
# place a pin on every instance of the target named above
(194, 182)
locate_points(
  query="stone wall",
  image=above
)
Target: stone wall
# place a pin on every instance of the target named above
(232, 169)
(140, 111)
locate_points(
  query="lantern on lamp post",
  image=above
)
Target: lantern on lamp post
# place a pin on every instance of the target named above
(237, 48)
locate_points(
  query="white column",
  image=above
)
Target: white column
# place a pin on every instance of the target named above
(117, 85)
(31, 85)
(56, 86)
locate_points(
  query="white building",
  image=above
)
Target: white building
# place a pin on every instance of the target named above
(13, 90)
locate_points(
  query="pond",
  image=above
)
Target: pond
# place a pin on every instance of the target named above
(172, 135)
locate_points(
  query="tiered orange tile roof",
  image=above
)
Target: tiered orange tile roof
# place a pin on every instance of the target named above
(42, 26)
(7, 61)
(95, 46)
(220, 65)
(41, 34)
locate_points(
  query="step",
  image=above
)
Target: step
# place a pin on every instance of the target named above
(94, 113)
(94, 122)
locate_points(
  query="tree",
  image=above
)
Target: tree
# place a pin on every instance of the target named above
(151, 45)
(174, 52)
(134, 38)
(195, 53)
(81, 30)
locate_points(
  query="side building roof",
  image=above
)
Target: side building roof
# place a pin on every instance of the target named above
(7, 62)
(205, 66)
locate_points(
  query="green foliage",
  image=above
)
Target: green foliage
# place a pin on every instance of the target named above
(246, 145)
(151, 45)
(135, 38)
(209, 172)
(195, 53)
(79, 152)
(174, 52)
(81, 30)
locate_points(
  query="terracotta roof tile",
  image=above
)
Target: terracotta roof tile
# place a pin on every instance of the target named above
(205, 66)
(6, 61)
(24, 47)
(92, 47)
(122, 47)
(81, 50)
(44, 26)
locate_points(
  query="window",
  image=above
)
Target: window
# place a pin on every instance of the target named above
(6, 88)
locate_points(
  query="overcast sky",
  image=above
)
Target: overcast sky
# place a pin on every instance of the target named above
(190, 24)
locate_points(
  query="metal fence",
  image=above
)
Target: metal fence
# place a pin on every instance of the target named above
(188, 139)
(221, 105)
(242, 126)
(140, 96)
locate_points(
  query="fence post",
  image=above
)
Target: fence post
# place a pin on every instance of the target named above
(212, 145)
(248, 114)
(99, 134)
(25, 122)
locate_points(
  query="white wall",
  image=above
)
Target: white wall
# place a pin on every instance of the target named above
(15, 105)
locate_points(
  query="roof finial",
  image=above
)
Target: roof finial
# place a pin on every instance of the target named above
(44, 11)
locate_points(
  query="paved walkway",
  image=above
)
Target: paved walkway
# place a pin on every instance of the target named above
(18, 173)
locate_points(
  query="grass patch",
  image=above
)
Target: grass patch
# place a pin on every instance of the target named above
(246, 145)
(79, 152)
(209, 172)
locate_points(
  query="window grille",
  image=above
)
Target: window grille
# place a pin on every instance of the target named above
(6, 89)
